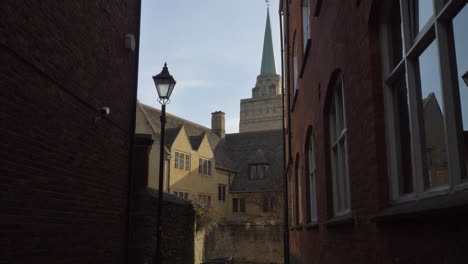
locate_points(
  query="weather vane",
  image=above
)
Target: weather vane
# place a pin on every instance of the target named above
(268, 2)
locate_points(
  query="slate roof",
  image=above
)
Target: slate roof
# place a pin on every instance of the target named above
(174, 123)
(255, 147)
(234, 152)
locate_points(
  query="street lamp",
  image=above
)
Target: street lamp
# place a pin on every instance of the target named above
(164, 85)
(465, 78)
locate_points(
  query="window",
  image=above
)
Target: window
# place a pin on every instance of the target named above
(183, 195)
(204, 199)
(242, 205)
(305, 23)
(311, 182)
(338, 144)
(295, 72)
(426, 113)
(221, 192)
(269, 204)
(258, 171)
(298, 197)
(204, 166)
(182, 161)
(238, 205)
(292, 218)
(187, 162)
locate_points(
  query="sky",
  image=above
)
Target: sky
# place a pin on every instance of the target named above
(213, 49)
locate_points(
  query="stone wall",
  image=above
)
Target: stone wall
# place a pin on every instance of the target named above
(177, 236)
(260, 244)
(259, 114)
(178, 216)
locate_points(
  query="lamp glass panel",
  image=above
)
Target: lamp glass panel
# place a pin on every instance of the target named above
(163, 89)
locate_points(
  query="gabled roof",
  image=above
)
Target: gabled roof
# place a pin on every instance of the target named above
(195, 141)
(253, 148)
(195, 132)
(234, 152)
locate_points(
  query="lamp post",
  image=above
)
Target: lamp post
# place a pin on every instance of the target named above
(164, 85)
(465, 78)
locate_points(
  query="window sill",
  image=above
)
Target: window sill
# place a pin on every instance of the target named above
(310, 226)
(340, 221)
(440, 206)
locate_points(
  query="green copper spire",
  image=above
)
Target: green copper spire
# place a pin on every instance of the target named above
(268, 57)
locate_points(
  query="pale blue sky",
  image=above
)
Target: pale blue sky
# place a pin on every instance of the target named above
(213, 49)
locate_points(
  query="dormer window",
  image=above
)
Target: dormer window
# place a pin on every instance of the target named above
(258, 171)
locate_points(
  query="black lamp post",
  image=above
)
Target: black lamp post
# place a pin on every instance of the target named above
(465, 78)
(164, 85)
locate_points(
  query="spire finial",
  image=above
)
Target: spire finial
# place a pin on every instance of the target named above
(268, 3)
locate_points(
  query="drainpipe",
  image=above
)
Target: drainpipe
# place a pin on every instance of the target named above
(285, 176)
(128, 233)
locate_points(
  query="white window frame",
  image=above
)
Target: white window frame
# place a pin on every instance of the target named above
(181, 194)
(204, 199)
(182, 161)
(312, 199)
(338, 150)
(204, 166)
(305, 23)
(237, 202)
(437, 30)
(222, 192)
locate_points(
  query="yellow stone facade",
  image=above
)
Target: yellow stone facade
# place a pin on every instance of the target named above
(197, 185)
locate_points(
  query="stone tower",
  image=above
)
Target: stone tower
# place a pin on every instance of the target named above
(263, 111)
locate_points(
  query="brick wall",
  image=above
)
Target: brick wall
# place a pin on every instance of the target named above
(64, 176)
(345, 36)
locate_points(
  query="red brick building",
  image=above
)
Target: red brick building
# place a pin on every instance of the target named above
(376, 112)
(64, 163)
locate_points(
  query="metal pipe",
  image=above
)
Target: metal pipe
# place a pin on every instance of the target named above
(285, 177)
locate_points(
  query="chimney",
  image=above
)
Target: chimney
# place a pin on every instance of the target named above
(217, 123)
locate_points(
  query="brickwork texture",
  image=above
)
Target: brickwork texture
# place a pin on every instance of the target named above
(63, 172)
(345, 37)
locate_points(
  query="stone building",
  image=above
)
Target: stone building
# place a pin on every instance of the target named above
(236, 181)
(236, 178)
(192, 171)
(377, 117)
(263, 111)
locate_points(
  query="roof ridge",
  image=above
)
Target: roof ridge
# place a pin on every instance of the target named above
(255, 132)
(177, 117)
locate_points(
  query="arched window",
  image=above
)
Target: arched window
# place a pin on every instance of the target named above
(311, 182)
(338, 149)
(305, 23)
(298, 194)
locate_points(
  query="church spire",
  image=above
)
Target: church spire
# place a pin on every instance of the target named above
(268, 57)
